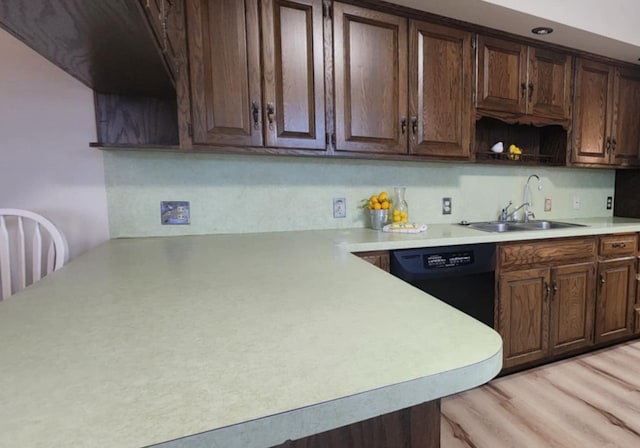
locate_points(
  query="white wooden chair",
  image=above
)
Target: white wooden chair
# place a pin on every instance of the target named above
(23, 236)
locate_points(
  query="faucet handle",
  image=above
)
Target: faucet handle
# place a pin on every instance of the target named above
(504, 214)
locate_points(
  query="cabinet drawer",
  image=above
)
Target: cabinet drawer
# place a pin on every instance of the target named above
(545, 253)
(618, 245)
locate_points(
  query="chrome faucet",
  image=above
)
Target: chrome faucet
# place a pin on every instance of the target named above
(527, 199)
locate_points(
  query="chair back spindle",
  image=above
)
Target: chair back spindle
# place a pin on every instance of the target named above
(21, 230)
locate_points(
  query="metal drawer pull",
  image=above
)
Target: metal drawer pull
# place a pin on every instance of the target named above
(403, 125)
(616, 245)
(547, 290)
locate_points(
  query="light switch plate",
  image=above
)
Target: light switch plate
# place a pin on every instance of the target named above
(547, 204)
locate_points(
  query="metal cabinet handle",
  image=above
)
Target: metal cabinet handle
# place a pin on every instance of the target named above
(613, 144)
(555, 290)
(414, 125)
(403, 125)
(547, 290)
(530, 90)
(620, 245)
(602, 281)
(523, 89)
(271, 110)
(255, 110)
(608, 144)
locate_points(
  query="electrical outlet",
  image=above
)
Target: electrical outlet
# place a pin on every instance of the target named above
(609, 202)
(547, 204)
(339, 207)
(446, 206)
(576, 202)
(174, 213)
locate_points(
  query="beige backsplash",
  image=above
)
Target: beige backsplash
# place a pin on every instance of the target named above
(243, 193)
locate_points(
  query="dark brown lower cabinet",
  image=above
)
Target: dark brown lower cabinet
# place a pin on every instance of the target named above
(546, 312)
(414, 427)
(615, 301)
(572, 307)
(523, 315)
(545, 298)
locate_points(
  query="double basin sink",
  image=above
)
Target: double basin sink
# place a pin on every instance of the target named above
(501, 226)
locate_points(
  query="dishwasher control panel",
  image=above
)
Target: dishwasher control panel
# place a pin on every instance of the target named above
(448, 259)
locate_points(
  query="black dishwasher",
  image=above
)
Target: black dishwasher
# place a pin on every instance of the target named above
(461, 276)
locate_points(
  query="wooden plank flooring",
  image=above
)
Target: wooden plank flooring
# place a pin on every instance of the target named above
(591, 401)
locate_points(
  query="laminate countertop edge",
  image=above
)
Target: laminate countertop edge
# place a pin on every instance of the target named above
(322, 417)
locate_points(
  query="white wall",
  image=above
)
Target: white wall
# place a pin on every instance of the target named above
(46, 165)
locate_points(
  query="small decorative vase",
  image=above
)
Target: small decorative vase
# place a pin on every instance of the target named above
(400, 206)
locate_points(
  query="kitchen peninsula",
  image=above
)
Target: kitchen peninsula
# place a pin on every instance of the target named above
(236, 340)
(225, 341)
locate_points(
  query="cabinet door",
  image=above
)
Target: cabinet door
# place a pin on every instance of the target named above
(370, 57)
(523, 315)
(224, 58)
(625, 130)
(572, 307)
(502, 75)
(615, 300)
(440, 90)
(293, 64)
(593, 93)
(549, 84)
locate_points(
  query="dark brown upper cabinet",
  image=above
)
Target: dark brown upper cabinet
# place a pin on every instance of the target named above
(394, 96)
(607, 115)
(238, 102)
(370, 58)
(517, 79)
(440, 89)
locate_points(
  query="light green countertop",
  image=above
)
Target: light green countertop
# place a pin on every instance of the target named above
(234, 340)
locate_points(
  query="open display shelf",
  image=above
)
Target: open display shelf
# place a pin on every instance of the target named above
(540, 145)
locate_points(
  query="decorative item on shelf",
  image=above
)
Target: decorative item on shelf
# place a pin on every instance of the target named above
(498, 147)
(400, 212)
(378, 207)
(514, 152)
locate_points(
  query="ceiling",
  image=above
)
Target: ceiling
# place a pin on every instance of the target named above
(605, 27)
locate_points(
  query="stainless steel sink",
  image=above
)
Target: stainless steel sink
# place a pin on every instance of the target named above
(492, 226)
(501, 226)
(546, 225)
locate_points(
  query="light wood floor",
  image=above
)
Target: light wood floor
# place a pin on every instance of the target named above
(592, 401)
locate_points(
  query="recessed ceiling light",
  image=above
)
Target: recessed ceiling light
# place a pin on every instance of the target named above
(542, 30)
